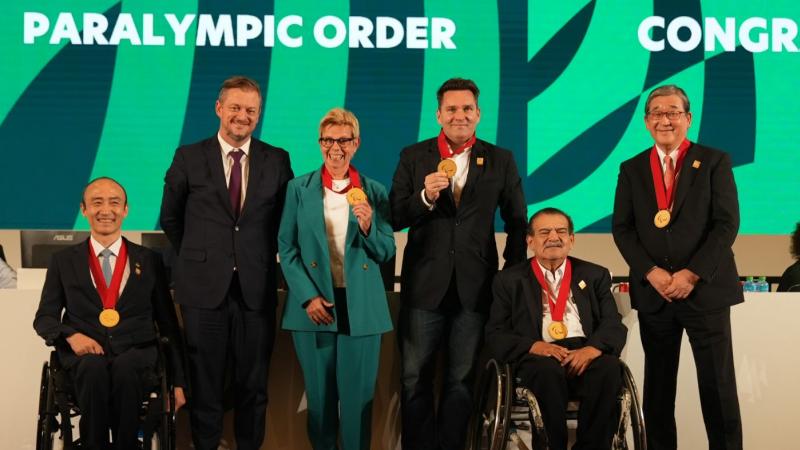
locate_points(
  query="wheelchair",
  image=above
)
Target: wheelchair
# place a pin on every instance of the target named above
(58, 407)
(505, 414)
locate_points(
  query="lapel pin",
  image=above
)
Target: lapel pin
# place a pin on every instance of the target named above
(138, 269)
(696, 164)
(479, 161)
(581, 284)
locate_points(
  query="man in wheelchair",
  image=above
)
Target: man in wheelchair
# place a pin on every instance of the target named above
(112, 294)
(554, 320)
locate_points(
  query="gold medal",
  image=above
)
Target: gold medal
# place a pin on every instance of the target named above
(557, 330)
(109, 318)
(355, 196)
(662, 218)
(448, 166)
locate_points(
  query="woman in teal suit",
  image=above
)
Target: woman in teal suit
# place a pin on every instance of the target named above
(335, 231)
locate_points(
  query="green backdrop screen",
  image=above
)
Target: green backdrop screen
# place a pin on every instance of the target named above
(96, 87)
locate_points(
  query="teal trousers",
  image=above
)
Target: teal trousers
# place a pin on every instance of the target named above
(339, 373)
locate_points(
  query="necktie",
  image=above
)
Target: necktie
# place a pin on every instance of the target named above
(669, 173)
(235, 181)
(106, 266)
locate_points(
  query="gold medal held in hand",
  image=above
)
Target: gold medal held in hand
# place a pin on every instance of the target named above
(355, 196)
(662, 218)
(448, 166)
(109, 318)
(557, 330)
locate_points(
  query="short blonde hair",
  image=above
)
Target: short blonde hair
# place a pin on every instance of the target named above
(339, 116)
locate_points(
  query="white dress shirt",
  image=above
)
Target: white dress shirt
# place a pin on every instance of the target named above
(572, 318)
(98, 247)
(227, 163)
(337, 216)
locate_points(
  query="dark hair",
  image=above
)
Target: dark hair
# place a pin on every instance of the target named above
(551, 211)
(83, 196)
(667, 89)
(457, 84)
(796, 242)
(238, 82)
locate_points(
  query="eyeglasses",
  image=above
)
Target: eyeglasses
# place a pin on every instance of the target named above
(658, 115)
(327, 142)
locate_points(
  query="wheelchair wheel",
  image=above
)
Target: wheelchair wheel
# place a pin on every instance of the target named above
(538, 431)
(490, 425)
(631, 427)
(45, 424)
(158, 428)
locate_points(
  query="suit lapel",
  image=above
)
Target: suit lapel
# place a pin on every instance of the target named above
(314, 210)
(214, 160)
(533, 299)
(80, 266)
(475, 170)
(581, 300)
(134, 264)
(257, 166)
(686, 178)
(646, 176)
(352, 227)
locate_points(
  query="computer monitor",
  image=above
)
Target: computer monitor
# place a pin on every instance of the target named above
(38, 246)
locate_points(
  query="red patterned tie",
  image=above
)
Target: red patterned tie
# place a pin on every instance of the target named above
(235, 181)
(669, 173)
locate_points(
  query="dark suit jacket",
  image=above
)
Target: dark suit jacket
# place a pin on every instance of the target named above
(460, 238)
(515, 321)
(704, 223)
(198, 219)
(68, 288)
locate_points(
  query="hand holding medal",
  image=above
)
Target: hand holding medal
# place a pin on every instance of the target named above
(448, 166)
(356, 197)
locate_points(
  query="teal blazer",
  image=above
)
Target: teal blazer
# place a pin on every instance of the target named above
(305, 259)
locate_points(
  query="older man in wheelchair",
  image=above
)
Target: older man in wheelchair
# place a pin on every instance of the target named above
(555, 323)
(101, 303)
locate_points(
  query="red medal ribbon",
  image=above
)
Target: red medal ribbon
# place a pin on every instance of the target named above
(665, 197)
(108, 295)
(558, 307)
(355, 180)
(444, 149)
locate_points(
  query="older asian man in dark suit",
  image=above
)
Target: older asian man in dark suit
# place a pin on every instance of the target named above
(676, 215)
(111, 292)
(446, 190)
(222, 205)
(554, 319)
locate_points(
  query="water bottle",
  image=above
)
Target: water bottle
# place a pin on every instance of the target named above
(763, 286)
(749, 285)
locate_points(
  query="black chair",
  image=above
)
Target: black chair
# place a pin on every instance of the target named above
(58, 408)
(504, 409)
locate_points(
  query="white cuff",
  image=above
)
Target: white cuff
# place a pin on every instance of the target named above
(426, 202)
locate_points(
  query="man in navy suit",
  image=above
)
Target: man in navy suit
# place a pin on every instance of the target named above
(221, 208)
(110, 291)
(676, 215)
